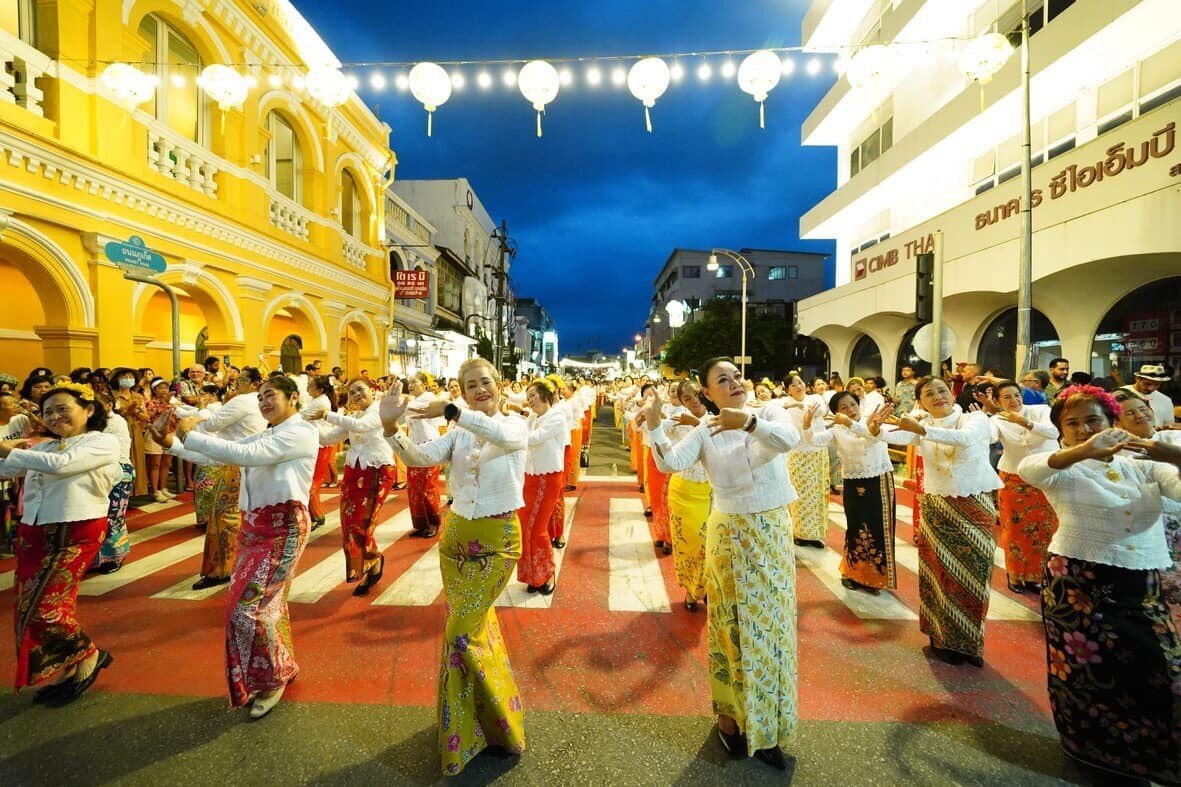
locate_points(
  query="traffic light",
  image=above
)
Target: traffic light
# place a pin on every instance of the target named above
(924, 289)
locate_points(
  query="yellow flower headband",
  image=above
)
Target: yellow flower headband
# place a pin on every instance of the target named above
(84, 392)
(545, 384)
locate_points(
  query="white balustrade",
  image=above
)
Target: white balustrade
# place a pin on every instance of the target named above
(182, 160)
(21, 66)
(354, 252)
(289, 217)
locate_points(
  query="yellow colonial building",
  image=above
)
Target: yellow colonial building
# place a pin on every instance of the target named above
(269, 215)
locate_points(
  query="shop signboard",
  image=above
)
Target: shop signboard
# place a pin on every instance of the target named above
(412, 285)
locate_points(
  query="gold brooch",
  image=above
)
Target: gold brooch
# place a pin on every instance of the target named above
(1114, 476)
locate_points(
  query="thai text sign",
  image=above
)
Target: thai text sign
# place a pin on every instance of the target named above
(412, 285)
(135, 254)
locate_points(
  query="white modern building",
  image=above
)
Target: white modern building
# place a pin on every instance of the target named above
(923, 148)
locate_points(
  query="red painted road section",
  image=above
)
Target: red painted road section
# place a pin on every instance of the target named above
(576, 656)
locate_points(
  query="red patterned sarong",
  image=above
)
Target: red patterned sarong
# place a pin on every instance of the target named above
(50, 562)
(324, 459)
(1027, 525)
(542, 493)
(656, 490)
(422, 489)
(363, 490)
(260, 657)
(573, 451)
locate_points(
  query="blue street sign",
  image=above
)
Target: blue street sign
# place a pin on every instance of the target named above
(135, 254)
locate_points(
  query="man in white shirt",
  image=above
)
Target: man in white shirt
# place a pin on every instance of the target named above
(1148, 380)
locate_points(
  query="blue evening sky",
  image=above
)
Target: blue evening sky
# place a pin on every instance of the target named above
(597, 204)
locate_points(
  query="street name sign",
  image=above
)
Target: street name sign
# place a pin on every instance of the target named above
(135, 255)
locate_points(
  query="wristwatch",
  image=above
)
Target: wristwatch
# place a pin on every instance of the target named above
(451, 412)
(751, 421)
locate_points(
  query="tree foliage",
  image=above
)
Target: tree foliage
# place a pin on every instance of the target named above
(717, 330)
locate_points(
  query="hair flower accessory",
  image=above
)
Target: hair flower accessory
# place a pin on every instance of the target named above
(84, 392)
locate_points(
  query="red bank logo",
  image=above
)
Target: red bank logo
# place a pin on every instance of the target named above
(859, 271)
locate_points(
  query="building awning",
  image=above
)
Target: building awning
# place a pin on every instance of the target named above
(409, 329)
(458, 338)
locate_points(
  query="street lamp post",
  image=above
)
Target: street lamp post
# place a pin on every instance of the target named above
(745, 268)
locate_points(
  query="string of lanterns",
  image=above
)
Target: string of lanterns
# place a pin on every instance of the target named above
(540, 81)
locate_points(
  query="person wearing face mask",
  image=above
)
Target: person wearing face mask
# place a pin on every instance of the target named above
(1027, 520)
(220, 486)
(543, 486)
(422, 483)
(1136, 418)
(276, 472)
(478, 701)
(130, 404)
(868, 492)
(750, 562)
(957, 516)
(369, 473)
(689, 495)
(1112, 652)
(68, 482)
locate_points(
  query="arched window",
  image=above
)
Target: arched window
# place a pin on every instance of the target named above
(998, 345)
(866, 359)
(20, 17)
(282, 157)
(350, 204)
(180, 104)
(1143, 327)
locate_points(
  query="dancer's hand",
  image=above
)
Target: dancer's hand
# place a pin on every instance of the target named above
(8, 446)
(687, 419)
(654, 412)
(1155, 450)
(1015, 418)
(727, 419)
(392, 407)
(1108, 443)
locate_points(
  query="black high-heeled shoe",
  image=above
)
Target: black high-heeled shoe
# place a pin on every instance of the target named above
(773, 757)
(733, 742)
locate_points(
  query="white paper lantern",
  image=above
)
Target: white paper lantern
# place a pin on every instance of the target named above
(328, 86)
(758, 75)
(129, 85)
(676, 313)
(984, 56)
(430, 84)
(647, 81)
(224, 85)
(539, 83)
(870, 66)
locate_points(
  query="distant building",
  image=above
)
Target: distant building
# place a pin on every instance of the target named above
(780, 277)
(536, 337)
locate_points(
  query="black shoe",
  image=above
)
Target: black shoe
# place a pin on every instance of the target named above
(648, 512)
(557, 543)
(668, 548)
(209, 582)
(1018, 588)
(871, 591)
(943, 654)
(832, 490)
(690, 605)
(76, 688)
(733, 743)
(1033, 587)
(317, 523)
(533, 588)
(975, 661)
(53, 692)
(570, 487)
(108, 568)
(773, 757)
(548, 588)
(799, 542)
(848, 583)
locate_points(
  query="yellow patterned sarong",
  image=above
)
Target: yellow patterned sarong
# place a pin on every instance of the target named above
(750, 577)
(688, 511)
(809, 475)
(479, 704)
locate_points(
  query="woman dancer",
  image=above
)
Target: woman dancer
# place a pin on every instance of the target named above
(543, 487)
(557, 522)
(807, 466)
(323, 401)
(1027, 520)
(277, 466)
(689, 502)
(868, 493)
(220, 483)
(116, 544)
(479, 704)
(656, 482)
(368, 475)
(68, 482)
(1138, 419)
(1112, 651)
(957, 516)
(750, 563)
(422, 483)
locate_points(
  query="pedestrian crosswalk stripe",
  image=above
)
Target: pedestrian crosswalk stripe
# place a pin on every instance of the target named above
(312, 584)
(138, 569)
(826, 566)
(1000, 607)
(636, 583)
(516, 594)
(419, 586)
(183, 590)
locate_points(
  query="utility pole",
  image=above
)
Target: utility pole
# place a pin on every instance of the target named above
(1025, 359)
(501, 276)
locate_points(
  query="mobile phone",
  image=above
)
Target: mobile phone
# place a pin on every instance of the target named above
(225, 359)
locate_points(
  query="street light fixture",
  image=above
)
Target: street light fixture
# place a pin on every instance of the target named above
(746, 269)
